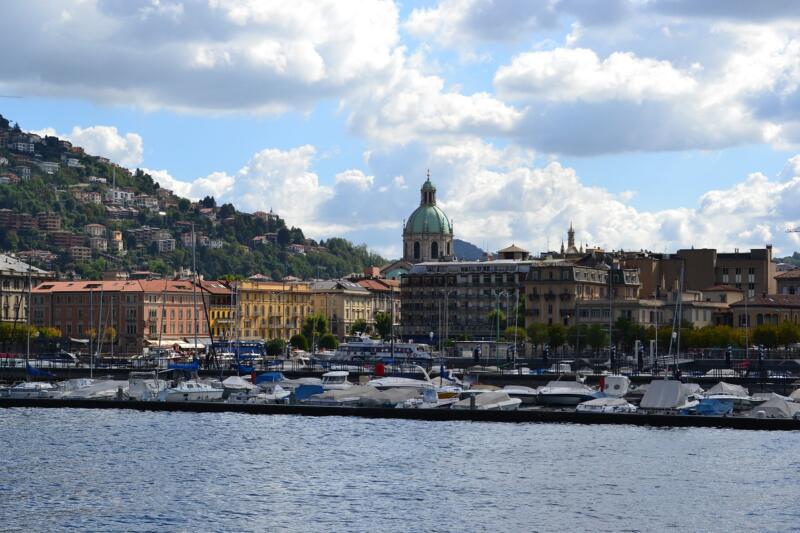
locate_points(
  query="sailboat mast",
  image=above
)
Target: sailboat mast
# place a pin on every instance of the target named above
(194, 291)
(28, 321)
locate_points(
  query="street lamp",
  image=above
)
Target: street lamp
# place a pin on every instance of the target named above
(497, 295)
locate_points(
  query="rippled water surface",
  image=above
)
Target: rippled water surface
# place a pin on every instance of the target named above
(124, 470)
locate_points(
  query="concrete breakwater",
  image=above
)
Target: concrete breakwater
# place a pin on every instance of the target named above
(520, 416)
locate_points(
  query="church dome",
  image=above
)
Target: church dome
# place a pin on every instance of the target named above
(428, 219)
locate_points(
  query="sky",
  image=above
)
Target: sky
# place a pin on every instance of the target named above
(648, 124)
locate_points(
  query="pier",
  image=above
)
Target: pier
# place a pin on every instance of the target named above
(520, 416)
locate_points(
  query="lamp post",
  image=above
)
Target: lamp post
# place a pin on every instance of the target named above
(497, 295)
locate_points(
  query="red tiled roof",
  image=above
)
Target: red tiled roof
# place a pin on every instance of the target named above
(789, 274)
(729, 288)
(771, 300)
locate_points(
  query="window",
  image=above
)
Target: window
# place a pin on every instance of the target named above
(416, 250)
(434, 250)
(130, 329)
(565, 274)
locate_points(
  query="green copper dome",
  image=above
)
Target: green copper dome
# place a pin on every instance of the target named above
(428, 219)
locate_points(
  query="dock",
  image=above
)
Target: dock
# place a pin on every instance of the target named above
(520, 416)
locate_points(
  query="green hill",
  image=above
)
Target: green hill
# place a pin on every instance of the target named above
(229, 242)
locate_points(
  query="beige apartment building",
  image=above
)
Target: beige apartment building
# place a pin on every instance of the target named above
(14, 287)
(342, 302)
(266, 310)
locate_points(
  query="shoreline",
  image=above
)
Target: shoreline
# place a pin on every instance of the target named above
(519, 416)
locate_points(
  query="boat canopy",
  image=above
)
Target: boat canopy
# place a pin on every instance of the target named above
(236, 382)
(664, 394)
(730, 389)
(777, 407)
(795, 395)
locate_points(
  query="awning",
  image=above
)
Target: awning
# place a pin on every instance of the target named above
(189, 345)
(79, 341)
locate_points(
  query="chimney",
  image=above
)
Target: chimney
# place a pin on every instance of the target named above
(372, 272)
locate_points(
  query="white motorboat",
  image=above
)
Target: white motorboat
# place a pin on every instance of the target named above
(736, 394)
(566, 393)
(528, 395)
(336, 380)
(30, 390)
(489, 401)
(145, 386)
(353, 396)
(606, 405)
(392, 382)
(616, 385)
(191, 391)
(266, 393)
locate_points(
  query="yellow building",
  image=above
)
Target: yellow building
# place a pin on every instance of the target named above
(270, 309)
(342, 302)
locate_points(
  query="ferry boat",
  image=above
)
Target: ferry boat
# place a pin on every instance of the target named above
(366, 349)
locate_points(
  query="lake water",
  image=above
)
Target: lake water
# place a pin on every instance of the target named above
(93, 470)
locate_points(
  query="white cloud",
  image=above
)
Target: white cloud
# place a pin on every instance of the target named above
(282, 180)
(356, 178)
(216, 184)
(219, 56)
(566, 74)
(106, 141)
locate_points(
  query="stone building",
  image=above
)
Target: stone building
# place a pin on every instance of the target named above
(427, 234)
(788, 282)
(453, 299)
(342, 302)
(14, 287)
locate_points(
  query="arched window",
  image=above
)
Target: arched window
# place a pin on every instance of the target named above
(434, 250)
(448, 249)
(416, 250)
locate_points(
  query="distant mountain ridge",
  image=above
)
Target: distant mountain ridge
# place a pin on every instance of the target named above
(58, 206)
(466, 250)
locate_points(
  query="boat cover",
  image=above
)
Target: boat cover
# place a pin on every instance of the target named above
(664, 394)
(607, 402)
(729, 389)
(236, 382)
(487, 398)
(777, 407)
(566, 384)
(795, 395)
(269, 376)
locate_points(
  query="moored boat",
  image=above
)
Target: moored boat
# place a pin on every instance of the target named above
(191, 391)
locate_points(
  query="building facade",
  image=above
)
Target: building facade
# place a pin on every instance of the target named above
(14, 284)
(788, 282)
(342, 302)
(454, 299)
(267, 309)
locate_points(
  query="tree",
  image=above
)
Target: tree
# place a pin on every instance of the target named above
(184, 205)
(537, 334)
(511, 331)
(227, 210)
(492, 318)
(275, 347)
(299, 342)
(788, 334)
(328, 342)
(359, 326)
(557, 335)
(284, 237)
(596, 337)
(315, 326)
(208, 201)
(766, 335)
(383, 324)
(576, 336)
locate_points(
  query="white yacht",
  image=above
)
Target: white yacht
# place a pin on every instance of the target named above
(736, 394)
(190, 391)
(392, 382)
(30, 390)
(101, 389)
(336, 380)
(566, 393)
(366, 349)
